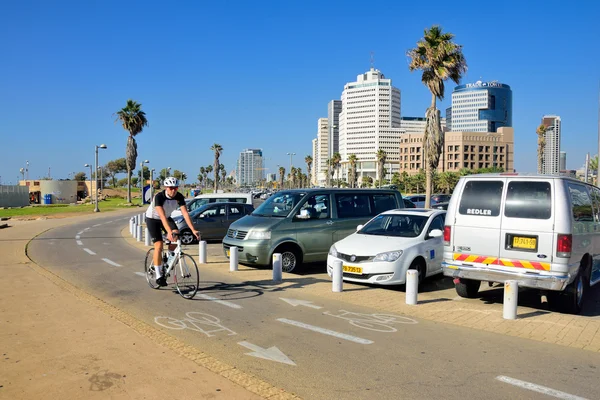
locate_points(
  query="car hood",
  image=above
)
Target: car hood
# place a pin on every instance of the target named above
(256, 223)
(370, 245)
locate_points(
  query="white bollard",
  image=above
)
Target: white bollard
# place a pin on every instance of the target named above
(134, 229)
(147, 238)
(131, 225)
(233, 258)
(337, 280)
(412, 286)
(202, 252)
(141, 219)
(511, 297)
(139, 233)
(277, 267)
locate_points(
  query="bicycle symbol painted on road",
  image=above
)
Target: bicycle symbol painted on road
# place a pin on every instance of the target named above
(194, 321)
(373, 322)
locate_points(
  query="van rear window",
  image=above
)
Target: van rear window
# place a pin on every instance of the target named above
(481, 198)
(528, 200)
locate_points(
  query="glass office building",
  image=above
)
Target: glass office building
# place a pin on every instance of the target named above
(480, 107)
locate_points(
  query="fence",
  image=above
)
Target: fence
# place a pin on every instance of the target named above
(14, 196)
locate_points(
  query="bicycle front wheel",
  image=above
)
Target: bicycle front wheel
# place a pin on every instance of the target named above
(187, 277)
(149, 269)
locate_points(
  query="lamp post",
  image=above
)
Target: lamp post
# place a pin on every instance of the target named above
(22, 171)
(142, 178)
(168, 171)
(27, 168)
(88, 165)
(102, 146)
(291, 155)
(151, 184)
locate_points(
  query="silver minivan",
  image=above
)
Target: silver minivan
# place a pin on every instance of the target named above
(541, 230)
(303, 224)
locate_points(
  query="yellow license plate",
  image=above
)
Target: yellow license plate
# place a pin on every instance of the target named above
(524, 243)
(227, 253)
(352, 270)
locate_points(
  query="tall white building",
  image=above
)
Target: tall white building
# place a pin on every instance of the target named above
(321, 156)
(369, 121)
(416, 125)
(551, 161)
(313, 176)
(250, 169)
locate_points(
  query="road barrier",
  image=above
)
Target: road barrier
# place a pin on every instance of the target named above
(139, 233)
(131, 222)
(337, 275)
(277, 267)
(202, 252)
(147, 237)
(511, 297)
(233, 259)
(412, 286)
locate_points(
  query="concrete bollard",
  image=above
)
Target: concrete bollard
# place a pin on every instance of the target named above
(131, 225)
(139, 233)
(412, 286)
(277, 267)
(337, 281)
(202, 252)
(511, 299)
(134, 229)
(147, 238)
(233, 259)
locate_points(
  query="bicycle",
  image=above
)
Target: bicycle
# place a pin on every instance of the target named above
(186, 277)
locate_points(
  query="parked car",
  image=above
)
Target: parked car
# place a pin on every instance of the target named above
(440, 198)
(408, 203)
(539, 230)
(417, 199)
(302, 224)
(440, 206)
(203, 199)
(212, 220)
(390, 244)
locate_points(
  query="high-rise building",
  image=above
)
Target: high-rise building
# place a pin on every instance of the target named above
(322, 153)
(315, 151)
(563, 161)
(370, 121)
(417, 124)
(250, 169)
(334, 108)
(551, 160)
(480, 107)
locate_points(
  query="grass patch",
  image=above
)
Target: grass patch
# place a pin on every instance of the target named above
(54, 209)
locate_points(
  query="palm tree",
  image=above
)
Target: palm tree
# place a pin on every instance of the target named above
(218, 149)
(203, 173)
(281, 175)
(352, 172)
(336, 163)
(541, 148)
(133, 120)
(299, 177)
(327, 179)
(440, 59)
(208, 170)
(308, 160)
(381, 156)
(223, 173)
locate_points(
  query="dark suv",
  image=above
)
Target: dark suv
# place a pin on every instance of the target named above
(440, 198)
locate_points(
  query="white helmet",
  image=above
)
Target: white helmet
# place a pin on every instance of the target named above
(170, 182)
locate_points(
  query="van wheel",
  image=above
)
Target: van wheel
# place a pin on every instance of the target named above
(467, 288)
(421, 269)
(290, 258)
(575, 294)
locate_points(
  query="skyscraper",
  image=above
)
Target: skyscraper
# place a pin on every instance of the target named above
(551, 160)
(480, 107)
(322, 153)
(250, 169)
(369, 121)
(334, 108)
(563, 161)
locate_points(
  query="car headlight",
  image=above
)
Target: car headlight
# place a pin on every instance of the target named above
(389, 256)
(333, 251)
(259, 235)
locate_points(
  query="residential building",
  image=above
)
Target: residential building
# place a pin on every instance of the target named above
(472, 150)
(369, 121)
(250, 169)
(551, 160)
(417, 124)
(322, 152)
(334, 108)
(480, 107)
(313, 176)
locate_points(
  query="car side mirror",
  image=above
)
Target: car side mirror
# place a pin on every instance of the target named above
(359, 227)
(436, 233)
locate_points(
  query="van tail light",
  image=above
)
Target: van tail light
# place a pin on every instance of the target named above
(564, 244)
(447, 235)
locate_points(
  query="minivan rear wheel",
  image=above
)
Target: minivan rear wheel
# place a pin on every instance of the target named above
(575, 294)
(290, 258)
(467, 288)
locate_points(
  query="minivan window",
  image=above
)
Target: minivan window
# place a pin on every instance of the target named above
(528, 200)
(481, 198)
(316, 207)
(353, 205)
(384, 202)
(279, 205)
(581, 202)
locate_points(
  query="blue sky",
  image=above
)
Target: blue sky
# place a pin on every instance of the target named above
(258, 74)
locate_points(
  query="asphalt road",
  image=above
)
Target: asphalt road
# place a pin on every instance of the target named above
(324, 349)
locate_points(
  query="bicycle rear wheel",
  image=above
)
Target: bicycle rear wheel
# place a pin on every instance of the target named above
(149, 269)
(187, 277)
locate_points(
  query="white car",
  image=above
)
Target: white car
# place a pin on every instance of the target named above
(381, 251)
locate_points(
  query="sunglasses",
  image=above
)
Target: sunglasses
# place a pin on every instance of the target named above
(173, 187)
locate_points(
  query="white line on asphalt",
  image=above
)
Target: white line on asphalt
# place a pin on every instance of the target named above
(222, 302)
(80, 233)
(114, 264)
(86, 229)
(538, 388)
(79, 243)
(140, 273)
(93, 226)
(78, 237)
(325, 331)
(89, 251)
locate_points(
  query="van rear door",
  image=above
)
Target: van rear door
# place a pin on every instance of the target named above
(477, 219)
(527, 234)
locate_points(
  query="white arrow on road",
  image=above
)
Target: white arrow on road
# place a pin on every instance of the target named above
(272, 353)
(295, 303)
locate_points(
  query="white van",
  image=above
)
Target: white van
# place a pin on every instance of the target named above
(203, 199)
(541, 230)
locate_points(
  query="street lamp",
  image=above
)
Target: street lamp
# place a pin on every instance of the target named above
(168, 171)
(22, 171)
(142, 178)
(291, 155)
(88, 165)
(151, 184)
(27, 168)
(102, 146)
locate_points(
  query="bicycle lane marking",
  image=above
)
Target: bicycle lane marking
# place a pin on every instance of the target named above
(222, 302)
(193, 322)
(324, 331)
(89, 251)
(373, 322)
(114, 264)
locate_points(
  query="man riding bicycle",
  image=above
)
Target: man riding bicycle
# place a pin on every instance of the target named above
(158, 219)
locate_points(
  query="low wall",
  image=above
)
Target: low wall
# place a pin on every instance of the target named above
(14, 196)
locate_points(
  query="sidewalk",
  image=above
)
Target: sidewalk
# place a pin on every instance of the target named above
(54, 345)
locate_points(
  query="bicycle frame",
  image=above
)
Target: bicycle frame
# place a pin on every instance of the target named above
(176, 258)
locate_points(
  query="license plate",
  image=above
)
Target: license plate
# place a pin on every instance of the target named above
(227, 253)
(524, 243)
(352, 270)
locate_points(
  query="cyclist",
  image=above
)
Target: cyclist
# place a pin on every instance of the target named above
(158, 219)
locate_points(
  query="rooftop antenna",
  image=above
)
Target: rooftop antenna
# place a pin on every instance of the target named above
(372, 60)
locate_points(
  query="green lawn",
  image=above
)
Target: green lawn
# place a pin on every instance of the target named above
(51, 209)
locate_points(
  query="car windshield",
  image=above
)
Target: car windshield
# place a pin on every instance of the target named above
(399, 225)
(279, 205)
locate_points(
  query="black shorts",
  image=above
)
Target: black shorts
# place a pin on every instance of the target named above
(156, 228)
